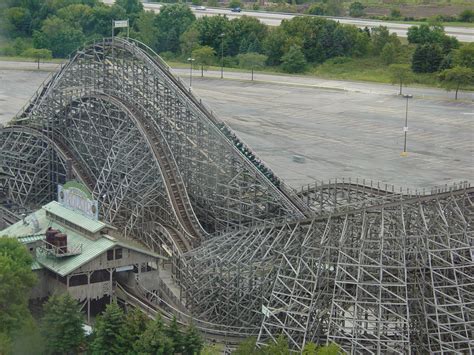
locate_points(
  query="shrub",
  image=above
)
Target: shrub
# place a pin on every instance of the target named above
(395, 13)
(356, 9)
(316, 9)
(427, 58)
(294, 61)
(467, 16)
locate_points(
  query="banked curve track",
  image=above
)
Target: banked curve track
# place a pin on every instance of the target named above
(386, 273)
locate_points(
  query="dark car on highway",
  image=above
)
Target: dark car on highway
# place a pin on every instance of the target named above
(236, 9)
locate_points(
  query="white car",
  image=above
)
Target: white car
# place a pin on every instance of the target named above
(202, 8)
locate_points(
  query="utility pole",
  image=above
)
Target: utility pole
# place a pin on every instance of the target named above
(191, 60)
(222, 54)
(405, 128)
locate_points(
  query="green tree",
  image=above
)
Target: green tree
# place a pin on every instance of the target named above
(192, 341)
(16, 279)
(334, 7)
(316, 9)
(172, 22)
(427, 58)
(456, 78)
(274, 45)
(356, 9)
(175, 335)
(432, 33)
(380, 36)
(252, 61)
(213, 349)
(294, 61)
(37, 54)
(154, 340)
(330, 349)
(310, 349)
(130, 6)
(27, 339)
(62, 324)
(133, 327)
(244, 29)
(108, 331)
(5, 344)
(395, 13)
(189, 41)
(254, 45)
(464, 56)
(101, 19)
(133, 9)
(389, 53)
(278, 347)
(210, 28)
(400, 74)
(17, 21)
(204, 57)
(145, 29)
(58, 36)
(76, 15)
(424, 34)
(247, 347)
(467, 15)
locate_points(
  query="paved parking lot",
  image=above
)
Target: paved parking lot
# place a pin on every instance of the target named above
(348, 134)
(340, 133)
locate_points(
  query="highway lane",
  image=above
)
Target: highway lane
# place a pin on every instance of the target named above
(463, 34)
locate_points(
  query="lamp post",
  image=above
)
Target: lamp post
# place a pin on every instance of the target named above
(191, 60)
(222, 54)
(405, 128)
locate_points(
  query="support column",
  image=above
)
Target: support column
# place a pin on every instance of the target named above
(89, 297)
(111, 283)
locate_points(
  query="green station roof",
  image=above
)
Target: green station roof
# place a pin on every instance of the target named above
(75, 217)
(34, 226)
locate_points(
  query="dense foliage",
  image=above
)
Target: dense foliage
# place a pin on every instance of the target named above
(16, 280)
(280, 347)
(134, 333)
(62, 325)
(108, 337)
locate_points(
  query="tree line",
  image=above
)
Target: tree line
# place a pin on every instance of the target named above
(40, 29)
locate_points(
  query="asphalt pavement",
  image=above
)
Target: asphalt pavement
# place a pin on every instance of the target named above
(339, 128)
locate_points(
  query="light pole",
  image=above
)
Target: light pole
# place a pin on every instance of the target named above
(405, 128)
(191, 60)
(222, 54)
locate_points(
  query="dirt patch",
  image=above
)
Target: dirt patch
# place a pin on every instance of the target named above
(418, 11)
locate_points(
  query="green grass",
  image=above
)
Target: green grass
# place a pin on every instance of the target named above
(358, 69)
(365, 69)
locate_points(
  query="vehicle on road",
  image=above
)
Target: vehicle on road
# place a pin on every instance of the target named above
(236, 9)
(202, 8)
